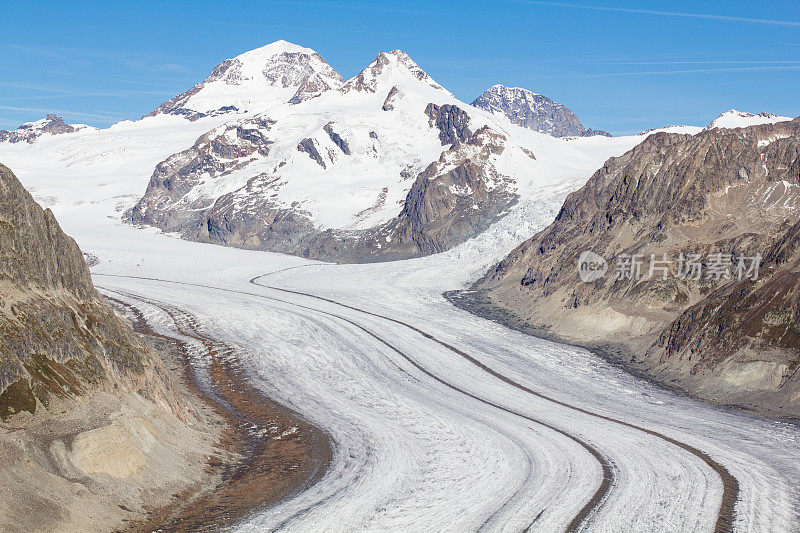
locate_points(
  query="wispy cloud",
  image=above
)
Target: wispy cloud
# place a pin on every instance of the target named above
(149, 62)
(641, 73)
(666, 72)
(105, 116)
(64, 91)
(707, 16)
(707, 62)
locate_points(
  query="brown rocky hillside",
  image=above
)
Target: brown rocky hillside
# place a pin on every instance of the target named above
(723, 195)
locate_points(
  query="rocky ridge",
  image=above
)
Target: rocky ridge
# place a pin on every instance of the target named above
(60, 340)
(30, 131)
(533, 111)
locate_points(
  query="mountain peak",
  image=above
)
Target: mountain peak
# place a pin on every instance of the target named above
(533, 111)
(255, 81)
(391, 68)
(502, 89)
(264, 53)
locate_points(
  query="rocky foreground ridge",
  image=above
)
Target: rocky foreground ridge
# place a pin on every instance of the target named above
(720, 202)
(60, 340)
(92, 427)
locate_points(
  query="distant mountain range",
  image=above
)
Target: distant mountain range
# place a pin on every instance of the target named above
(278, 152)
(30, 131)
(385, 165)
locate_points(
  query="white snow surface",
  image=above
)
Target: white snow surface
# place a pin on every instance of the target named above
(690, 130)
(739, 119)
(411, 453)
(259, 79)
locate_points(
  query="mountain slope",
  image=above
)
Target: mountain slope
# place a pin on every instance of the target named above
(388, 166)
(533, 111)
(730, 191)
(60, 340)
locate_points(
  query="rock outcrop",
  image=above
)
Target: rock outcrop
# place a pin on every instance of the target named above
(59, 338)
(533, 111)
(722, 203)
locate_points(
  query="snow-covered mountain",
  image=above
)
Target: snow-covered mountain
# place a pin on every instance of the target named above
(533, 111)
(738, 119)
(278, 73)
(387, 165)
(30, 131)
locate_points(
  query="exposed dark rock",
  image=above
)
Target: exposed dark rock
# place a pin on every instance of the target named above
(337, 140)
(734, 192)
(453, 200)
(387, 104)
(30, 131)
(59, 339)
(307, 146)
(451, 121)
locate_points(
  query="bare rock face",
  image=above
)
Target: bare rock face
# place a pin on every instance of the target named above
(59, 339)
(533, 111)
(30, 131)
(456, 197)
(451, 121)
(732, 192)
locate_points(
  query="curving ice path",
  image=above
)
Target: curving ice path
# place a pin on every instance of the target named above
(440, 420)
(426, 439)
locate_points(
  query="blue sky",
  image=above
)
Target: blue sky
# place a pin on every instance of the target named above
(621, 66)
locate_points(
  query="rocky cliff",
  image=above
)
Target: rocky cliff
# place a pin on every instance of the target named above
(59, 339)
(533, 111)
(697, 237)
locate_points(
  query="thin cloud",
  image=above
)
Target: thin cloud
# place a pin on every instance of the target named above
(62, 91)
(45, 110)
(642, 73)
(665, 72)
(129, 60)
(707, 62)
(706, 16)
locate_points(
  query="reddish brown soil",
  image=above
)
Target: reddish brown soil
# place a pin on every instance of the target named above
(264, 469)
